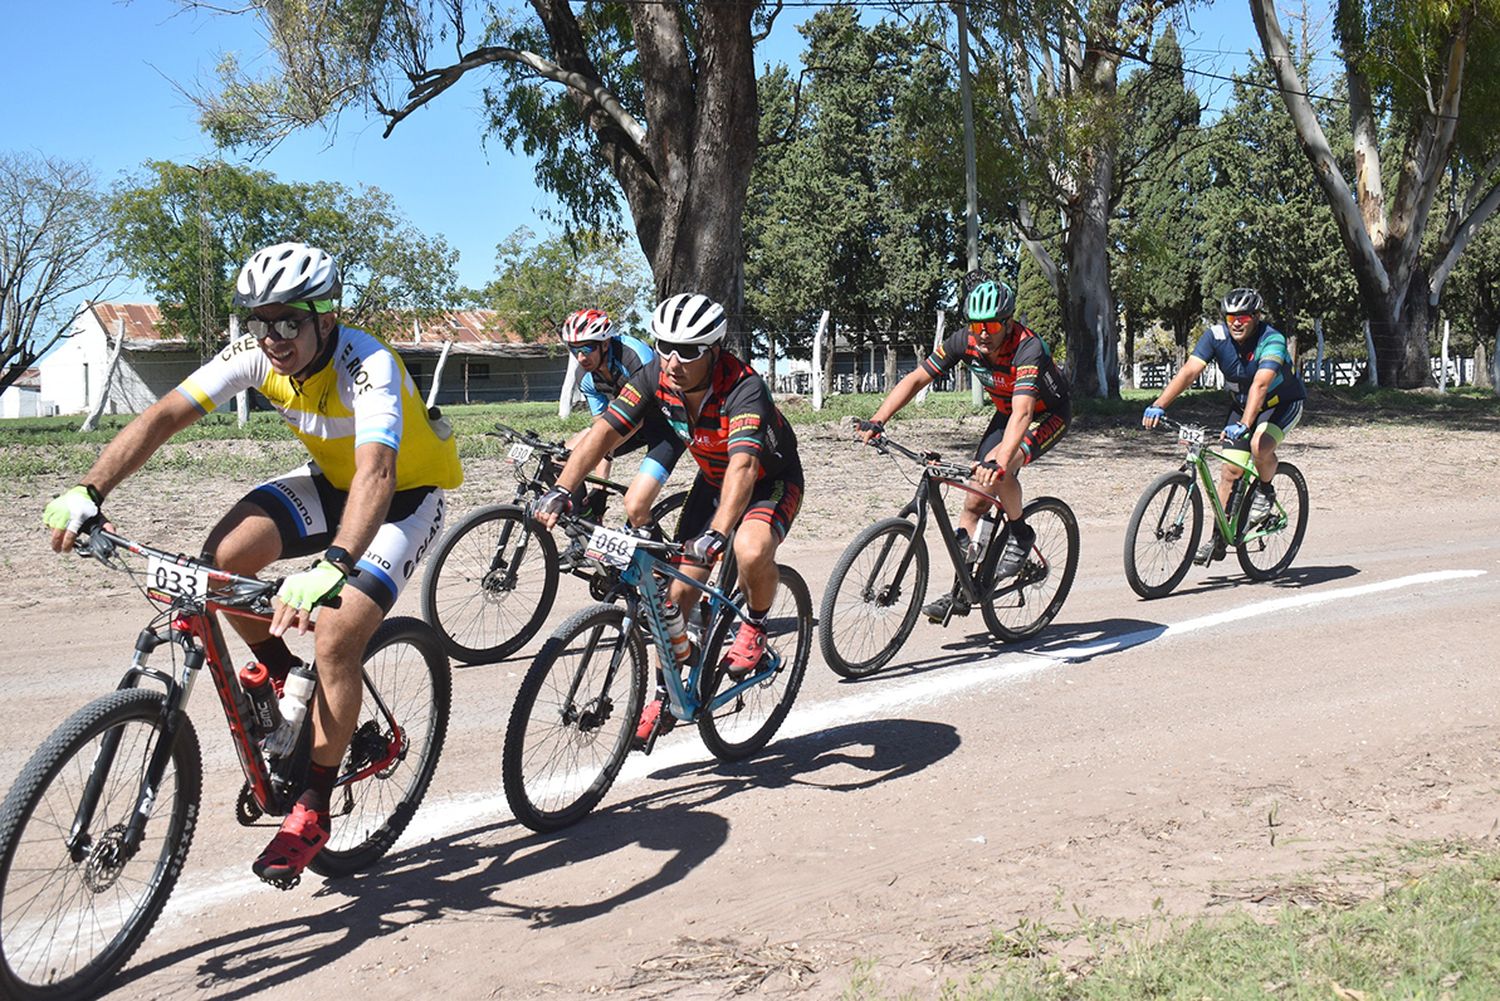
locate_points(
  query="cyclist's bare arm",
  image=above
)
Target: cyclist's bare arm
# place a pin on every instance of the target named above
(1185, 377)
(597, 441)
(602, 468)
(1256, 397)
(739, 483)
(905, 391)
(1023, 411)
(370, 494)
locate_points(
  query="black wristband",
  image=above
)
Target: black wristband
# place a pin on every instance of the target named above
(94, 494)
(339, 557)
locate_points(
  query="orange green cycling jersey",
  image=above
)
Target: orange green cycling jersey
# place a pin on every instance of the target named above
(1024, 367)
(363, 395)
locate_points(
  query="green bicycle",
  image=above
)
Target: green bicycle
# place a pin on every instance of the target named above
(1167, 522)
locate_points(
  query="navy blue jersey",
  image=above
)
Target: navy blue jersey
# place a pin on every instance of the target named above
(1267, 349)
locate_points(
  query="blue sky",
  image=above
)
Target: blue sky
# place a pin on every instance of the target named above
(98, 81)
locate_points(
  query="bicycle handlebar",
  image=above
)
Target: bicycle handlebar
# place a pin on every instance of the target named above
(581, 528)
(530, 437)
(933, 461)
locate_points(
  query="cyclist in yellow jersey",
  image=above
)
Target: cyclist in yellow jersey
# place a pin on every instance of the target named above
(369, 503)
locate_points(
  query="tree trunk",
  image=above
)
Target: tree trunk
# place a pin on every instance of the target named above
(1090, 303)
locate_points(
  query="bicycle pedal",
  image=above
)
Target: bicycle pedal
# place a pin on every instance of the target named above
(282, 882)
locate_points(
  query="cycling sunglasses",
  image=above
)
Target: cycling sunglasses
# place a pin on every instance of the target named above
(583, 350)
(1239, 317)
(684, 352)
(987, 326)
(281, 330)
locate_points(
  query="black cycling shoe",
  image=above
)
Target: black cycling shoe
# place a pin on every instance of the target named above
(937, 611)
(1018, 542)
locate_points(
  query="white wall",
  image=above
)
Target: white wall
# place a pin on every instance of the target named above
(19, 401)
(74, 371)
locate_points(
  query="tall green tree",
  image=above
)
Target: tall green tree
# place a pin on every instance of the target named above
(185, 230)
(1422, 96)
(539, 282)
(655, 102)
(54, 252)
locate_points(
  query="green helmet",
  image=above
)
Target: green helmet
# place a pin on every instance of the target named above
(990, 301)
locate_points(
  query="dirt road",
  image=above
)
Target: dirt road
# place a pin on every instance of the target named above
(1222, 745)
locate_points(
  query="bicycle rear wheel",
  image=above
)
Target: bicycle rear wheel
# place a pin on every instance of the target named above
(744, 724)
(867, 612)
(574, 717)
(1269, 548)
(407, 688)
(74, 908)
(490, 584)
(1022, 606)
(1163, 534)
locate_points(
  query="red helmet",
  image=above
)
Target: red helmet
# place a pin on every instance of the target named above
(587, 325)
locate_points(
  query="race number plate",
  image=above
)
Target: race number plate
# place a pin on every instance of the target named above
(613, 549)
(171, 578)
(519, 453)
(1190, 436)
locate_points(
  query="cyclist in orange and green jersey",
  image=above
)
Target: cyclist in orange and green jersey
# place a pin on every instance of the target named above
(1032, 411)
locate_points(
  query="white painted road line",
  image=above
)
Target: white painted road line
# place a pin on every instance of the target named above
(446, 817)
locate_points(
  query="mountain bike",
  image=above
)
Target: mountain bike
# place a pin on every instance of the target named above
(575, 715)
(1162, 535)
(95, 830)
(874, 596)
(491, 582)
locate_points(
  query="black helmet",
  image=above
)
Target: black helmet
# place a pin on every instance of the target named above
(1242, 300)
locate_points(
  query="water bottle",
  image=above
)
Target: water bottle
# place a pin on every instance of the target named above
(265, 714)
(682, 647)
(295, 696)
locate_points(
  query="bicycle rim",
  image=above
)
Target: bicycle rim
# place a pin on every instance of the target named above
(482, 593)
(867, 613)
(574, 718)
(403, 721)
(745, 723)
(1163, 534)
(70, 920)
(1023, 605)
(1269, 548)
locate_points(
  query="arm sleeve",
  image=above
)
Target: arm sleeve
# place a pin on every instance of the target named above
(241, 365)
(595, 399)
(946, 356)
(748, 407)
(628, 410)
(1204, 349)
(377, 400)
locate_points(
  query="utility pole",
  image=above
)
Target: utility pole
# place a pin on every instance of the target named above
(971, 172)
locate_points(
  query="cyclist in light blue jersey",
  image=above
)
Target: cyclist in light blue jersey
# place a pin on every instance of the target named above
(1266, 396)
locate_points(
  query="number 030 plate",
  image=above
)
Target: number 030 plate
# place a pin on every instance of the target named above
(613, 549)
(170, 578)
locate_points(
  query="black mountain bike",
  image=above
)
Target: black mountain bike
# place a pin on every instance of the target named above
(874, 597)
(492, 580)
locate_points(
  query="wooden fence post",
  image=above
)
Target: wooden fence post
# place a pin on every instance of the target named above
(817, 363)
(937, 338)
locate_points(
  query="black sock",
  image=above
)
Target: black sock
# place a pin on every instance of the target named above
(757, 618)
(320, 779)
(277, 657)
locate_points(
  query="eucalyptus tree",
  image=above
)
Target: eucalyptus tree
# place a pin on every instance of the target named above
(539, 282)
(1422, 97)
(652, 102)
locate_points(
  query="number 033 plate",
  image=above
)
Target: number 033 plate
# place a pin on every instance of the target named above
(613, 549)
(171, 578)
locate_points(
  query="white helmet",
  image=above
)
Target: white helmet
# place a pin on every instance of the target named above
(688, 318)
(587, 325)
(287, 273)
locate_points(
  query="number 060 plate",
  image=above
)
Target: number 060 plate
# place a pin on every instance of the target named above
(613, 549)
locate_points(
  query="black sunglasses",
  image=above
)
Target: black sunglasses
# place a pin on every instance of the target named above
(281, 330)
(684, 352)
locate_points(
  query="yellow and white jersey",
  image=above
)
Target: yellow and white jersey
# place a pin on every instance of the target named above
(362, 395)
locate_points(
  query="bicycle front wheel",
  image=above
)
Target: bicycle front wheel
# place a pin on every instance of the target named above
(403, 720)
(1163, 534)
(667, 511)
(868, 611)
(76, 904)
(1021, 606)
(1267, 549)
(490, 584)
(574, 718)
(745, 723)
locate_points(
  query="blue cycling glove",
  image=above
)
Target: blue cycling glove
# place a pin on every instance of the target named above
(1153, 413)
(1235, 431)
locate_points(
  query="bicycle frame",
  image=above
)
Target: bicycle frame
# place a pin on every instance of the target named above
(1225, 516)
(645, 596)
(191, 624)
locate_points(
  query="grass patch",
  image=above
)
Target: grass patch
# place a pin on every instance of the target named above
(1432, 932)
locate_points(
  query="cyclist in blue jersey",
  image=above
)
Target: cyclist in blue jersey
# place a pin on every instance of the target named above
(1260, 375)
(609, 360)
(368, 504)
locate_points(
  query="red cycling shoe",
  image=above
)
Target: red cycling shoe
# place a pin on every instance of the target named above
(654, 717)
(303, 834)
(749, 647)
